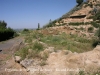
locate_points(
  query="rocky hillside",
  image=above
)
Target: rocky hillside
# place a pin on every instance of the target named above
(67, 46)
(83, 13)
(81, 20)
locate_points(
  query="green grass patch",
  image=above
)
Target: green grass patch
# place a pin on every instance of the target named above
(69, 42)
(37, 46)
(23, 53)
(62, 41)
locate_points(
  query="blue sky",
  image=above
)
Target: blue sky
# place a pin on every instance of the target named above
(28, 13)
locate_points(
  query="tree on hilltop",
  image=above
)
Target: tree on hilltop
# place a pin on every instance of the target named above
(79, 1)
(38, 26)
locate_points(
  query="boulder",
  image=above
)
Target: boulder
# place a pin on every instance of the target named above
(17, 59)
(26, 62)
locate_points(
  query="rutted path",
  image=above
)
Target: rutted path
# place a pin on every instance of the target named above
(6, 45)
(6, 55)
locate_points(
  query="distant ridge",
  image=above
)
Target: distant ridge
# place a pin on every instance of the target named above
(20, 29)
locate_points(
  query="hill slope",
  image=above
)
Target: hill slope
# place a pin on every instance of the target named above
(64, 46)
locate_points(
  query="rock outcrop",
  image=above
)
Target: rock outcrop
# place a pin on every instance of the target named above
(64, 62)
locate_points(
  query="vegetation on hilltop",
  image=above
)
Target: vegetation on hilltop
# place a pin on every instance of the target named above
(79, 1)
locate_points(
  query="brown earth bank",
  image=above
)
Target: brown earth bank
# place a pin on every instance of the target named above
(64, 62)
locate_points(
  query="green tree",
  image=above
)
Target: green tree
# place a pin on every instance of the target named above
(38, 26)
(79, 1)
(50, 22)
(3, 24)
(5, 33)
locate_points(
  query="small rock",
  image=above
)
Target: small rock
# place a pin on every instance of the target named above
(17, 59)
(26, 62)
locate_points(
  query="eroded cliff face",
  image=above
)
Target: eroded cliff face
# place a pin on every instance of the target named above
(81, 13)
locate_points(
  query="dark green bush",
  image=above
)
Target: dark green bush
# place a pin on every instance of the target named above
(90, 29)
(25, 30)
(95, 43)
(5, 33)
(95, 24)
(79, 2)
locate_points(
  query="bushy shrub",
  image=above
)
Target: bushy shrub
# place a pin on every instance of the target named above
(37, 46)
(90, 29)
(96, 14)
(5, 33)
(95, 24)
(79, 2)
(95, 43)
(23, 53)
(25, 30)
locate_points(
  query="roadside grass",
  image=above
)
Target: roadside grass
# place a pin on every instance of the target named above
(22, 53)
(36, 47)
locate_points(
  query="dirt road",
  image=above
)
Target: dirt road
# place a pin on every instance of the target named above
(5, 46)
(7, 49)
